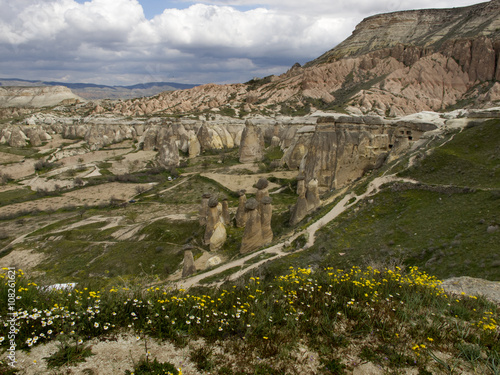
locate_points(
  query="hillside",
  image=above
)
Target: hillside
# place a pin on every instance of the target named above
(429, 29)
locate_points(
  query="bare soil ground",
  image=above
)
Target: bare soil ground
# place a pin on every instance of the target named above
(93, 195)
(132, 162)
(112, 355)
(9, 158)
(237, 182)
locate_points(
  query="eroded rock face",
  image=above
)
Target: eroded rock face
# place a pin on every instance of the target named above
(168, 155)
(189, 268)
(266, 217)
(252, 144)
(252, 237)
(340, 151)
(312, 195)
(194, 147)
(17, 138)
(241, 214)
(34, 97)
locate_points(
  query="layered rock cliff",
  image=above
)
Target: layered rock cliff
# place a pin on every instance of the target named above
(36, 97)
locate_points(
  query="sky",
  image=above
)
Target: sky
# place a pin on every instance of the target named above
(125, 42)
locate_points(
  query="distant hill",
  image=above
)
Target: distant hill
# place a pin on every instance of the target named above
(92, 91)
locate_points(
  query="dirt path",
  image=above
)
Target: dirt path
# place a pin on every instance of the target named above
(310, 232)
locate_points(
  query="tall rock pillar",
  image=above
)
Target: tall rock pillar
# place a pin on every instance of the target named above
(202, 217)
(241, 215)
(252, 237)
(266, 213)
(252, 144)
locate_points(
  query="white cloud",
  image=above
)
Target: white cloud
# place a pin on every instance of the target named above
(212, 42)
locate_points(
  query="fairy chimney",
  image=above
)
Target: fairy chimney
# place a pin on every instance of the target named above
(189, 267)
(226, 218)
(202, 218)
(262, 190)
(252, 237)
(241, 215)
(299, 211)
(213, 218)
(266, 214)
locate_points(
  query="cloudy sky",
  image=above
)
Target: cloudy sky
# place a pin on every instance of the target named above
(137, 41)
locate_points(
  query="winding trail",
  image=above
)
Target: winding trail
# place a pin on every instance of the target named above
(277, 249)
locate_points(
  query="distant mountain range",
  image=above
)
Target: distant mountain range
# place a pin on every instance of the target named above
(92, 91)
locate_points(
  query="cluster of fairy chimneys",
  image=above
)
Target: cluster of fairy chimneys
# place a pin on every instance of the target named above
(253, 214)
(307, 201)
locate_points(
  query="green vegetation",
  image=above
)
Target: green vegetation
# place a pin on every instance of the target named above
(89, 252)
(399, 320)
(471, 159)
(146, 367)
(27, 152)
(444, 234)
(69, 354)
(17, 195)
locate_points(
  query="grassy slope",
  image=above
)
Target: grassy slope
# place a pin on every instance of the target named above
(471, 159)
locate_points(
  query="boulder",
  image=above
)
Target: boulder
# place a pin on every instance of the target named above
(219, 236)
(149, 140)
(213, 261)
(189, 267)
(252, 237)
(252, 144)
(241, 214)
(35, 137)
(266, 213)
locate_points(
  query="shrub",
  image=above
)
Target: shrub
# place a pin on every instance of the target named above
(146, 367)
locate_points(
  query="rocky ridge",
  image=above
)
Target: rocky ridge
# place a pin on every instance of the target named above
(35, 97)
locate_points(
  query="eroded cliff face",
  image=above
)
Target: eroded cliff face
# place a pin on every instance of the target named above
(428, 29)
(340, 150)
(36, 97)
